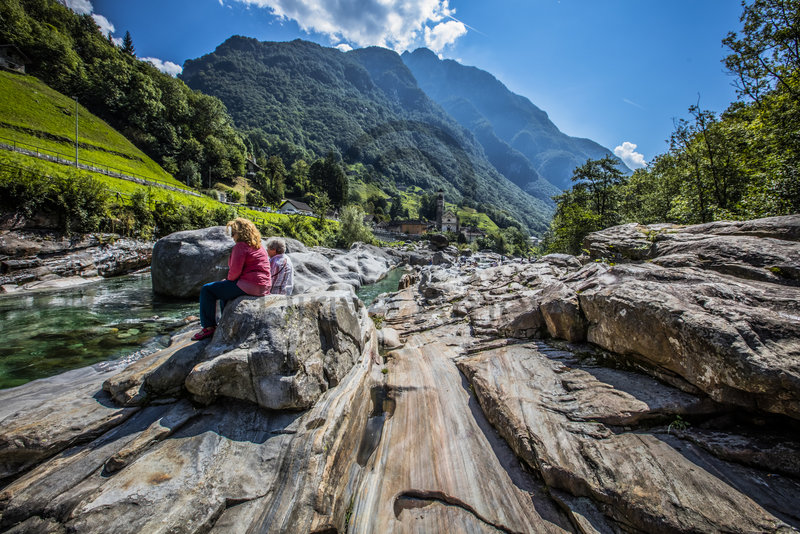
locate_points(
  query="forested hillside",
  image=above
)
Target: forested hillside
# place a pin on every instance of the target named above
(302, 101)
(188, 133)
(518, 137)
(743, 164)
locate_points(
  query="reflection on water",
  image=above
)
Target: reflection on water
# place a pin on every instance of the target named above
(48, 332)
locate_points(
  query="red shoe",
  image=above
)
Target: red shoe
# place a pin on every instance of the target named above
(204, 333)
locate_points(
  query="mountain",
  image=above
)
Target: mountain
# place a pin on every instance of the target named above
(366, 106)
(517, 137)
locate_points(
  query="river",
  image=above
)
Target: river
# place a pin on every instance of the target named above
(43, 333)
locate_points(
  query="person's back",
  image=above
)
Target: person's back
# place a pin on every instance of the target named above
(281, 269)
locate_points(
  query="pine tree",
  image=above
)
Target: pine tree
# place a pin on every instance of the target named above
(127, 44)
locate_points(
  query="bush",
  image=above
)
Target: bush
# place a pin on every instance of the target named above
(79, 201)
(352, 227)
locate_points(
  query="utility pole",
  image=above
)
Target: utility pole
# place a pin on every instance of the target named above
(76, 131)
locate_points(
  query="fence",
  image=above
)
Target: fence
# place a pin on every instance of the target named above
(64, 159)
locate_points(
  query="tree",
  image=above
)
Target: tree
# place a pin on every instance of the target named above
(276, 174)
(298, 177)
(321, 205)
(328, 176)
(766, 55)
(598, 177)
(127, 44)
(352, 227)
(396, 211)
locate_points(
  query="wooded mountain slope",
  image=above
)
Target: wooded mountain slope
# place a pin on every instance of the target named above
(365, 105)
(518, 137)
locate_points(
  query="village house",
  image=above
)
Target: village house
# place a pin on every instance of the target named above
(252, 168)
(471, 233)
(12, 58)
(291, 207)
(408, 226)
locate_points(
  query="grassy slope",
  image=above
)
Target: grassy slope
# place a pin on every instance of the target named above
(126, 188)
(32, 113)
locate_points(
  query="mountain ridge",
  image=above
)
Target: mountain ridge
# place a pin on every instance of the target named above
(366, 106)
(519, 126)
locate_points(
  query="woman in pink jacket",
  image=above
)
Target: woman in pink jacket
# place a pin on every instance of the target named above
(248, 274)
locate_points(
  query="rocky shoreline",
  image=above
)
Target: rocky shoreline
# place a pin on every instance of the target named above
(651, 386)
(32, 260)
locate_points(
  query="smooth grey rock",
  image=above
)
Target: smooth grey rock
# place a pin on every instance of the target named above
(282, 352)
(736, 341)
(550, 415)
(184, 261)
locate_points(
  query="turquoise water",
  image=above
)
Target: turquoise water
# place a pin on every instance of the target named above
(387, 284)
(44, 333)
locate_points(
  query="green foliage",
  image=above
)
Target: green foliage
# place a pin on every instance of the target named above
(766, 55)
(328, 176)
(80, 202)
(352, 227)
(590, 205)
(302, 102)
(158, 113)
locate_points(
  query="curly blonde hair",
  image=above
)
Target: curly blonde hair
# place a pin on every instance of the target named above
(244, 230)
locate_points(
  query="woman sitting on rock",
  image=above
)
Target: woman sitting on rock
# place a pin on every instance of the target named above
(248, 274)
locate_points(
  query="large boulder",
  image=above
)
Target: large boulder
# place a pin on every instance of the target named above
(362, 264)
(282, 352)
(738, 342)
(762, 249)
(184, 261)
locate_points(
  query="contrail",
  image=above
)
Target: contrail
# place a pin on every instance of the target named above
(632, 103)
(467, 25)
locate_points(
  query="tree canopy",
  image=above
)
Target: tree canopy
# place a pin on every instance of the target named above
(742, 164)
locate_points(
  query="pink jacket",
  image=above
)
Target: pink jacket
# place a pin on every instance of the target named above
(249, 268)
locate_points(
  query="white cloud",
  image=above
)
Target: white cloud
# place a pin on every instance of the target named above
(81, 7)
(627, 153)
(444, 34)
(117, 41)
(168, 67)
(344, 47)
(396, 24)
(105, 26)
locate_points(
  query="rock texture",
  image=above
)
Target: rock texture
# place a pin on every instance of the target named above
(184, 261)
(649, 396)
(30, 260)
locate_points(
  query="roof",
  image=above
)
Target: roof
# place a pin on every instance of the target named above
(301, 206)
(409, 221)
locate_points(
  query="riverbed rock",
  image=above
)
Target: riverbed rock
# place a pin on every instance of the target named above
(281, 352)
(548, 396)
(41, 260)
(184, 261)
(738, 341)
(761, 249)
(642, 481)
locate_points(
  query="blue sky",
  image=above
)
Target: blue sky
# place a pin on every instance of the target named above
(615, 71)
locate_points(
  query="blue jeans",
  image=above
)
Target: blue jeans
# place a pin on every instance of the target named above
(223, 291)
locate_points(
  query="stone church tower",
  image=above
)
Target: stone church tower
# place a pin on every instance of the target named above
(439, 208)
